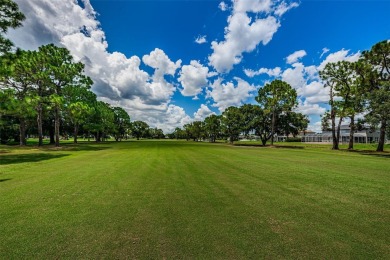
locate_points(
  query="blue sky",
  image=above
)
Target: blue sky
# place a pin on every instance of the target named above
(169, 62)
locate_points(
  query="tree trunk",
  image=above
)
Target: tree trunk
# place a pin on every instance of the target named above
(51, 134)
(231, 139)
(335, 141)
(381, 143)
(263, 141)
(75, 133)
(273, 128)
(22, 132)
(39, 121)
(338, 132)
(351, 132)
(57, 126)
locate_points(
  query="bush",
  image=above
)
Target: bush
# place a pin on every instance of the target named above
(295, 139)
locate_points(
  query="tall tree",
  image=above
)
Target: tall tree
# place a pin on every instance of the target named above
(345, 98)
(18, 83)
(275, 98)
(375, 72)
(61, 72)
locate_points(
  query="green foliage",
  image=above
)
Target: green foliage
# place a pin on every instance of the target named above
(10, 17)
(232, 123)
(121, 122)
(375, 71)
(139, 129)
(212, 127)
(276, 98)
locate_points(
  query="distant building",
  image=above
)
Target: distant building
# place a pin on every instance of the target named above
(362, 136)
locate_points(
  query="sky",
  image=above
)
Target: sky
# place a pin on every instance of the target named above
(170, 62)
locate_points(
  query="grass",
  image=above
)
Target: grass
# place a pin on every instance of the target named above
(178, 199)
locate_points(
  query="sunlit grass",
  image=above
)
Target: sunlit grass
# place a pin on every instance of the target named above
(178, 199)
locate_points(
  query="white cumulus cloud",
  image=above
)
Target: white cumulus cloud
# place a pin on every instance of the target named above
(339, 56)
(203, 112)
(193, 78)
(118, 80)
(251, 23)
(232, 93)
(275, 72)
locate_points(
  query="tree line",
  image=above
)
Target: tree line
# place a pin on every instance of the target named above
(46, 93)
(273, 115)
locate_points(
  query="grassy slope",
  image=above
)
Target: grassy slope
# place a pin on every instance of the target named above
(170, 199)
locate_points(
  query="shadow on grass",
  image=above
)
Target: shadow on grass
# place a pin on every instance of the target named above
(85, 147)
(384, 154)
(270, 146)
(3, 180)
(26, 158)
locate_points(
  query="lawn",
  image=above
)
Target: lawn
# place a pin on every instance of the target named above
(178, 199)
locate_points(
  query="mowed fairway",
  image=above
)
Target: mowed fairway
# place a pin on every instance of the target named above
(178, 199)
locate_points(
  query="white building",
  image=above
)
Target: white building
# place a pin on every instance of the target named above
(363, 136)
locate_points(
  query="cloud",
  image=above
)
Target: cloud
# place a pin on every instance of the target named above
(284, 7)
(203, 112)
(294, 57)
(339, 56)
(193, 78)
(46, 23)
(251, 23)
(201, 39)
(223, 6)
(270, 72)
(229, 94)
(159, 61)
(324, 51)
(309, 109)
(315, 127)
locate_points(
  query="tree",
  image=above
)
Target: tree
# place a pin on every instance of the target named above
(139, 129)
(262, 124)
(232, 121)
(61, 72)
(156, 133)
(325, 118)
(197, 130)
(18, 86)
(249, 113)
(121, 122)
(345, 98)
(212, 127)
(276, 98)
(10, 17)
(292, 123)
(374, 70)
(79, 104)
